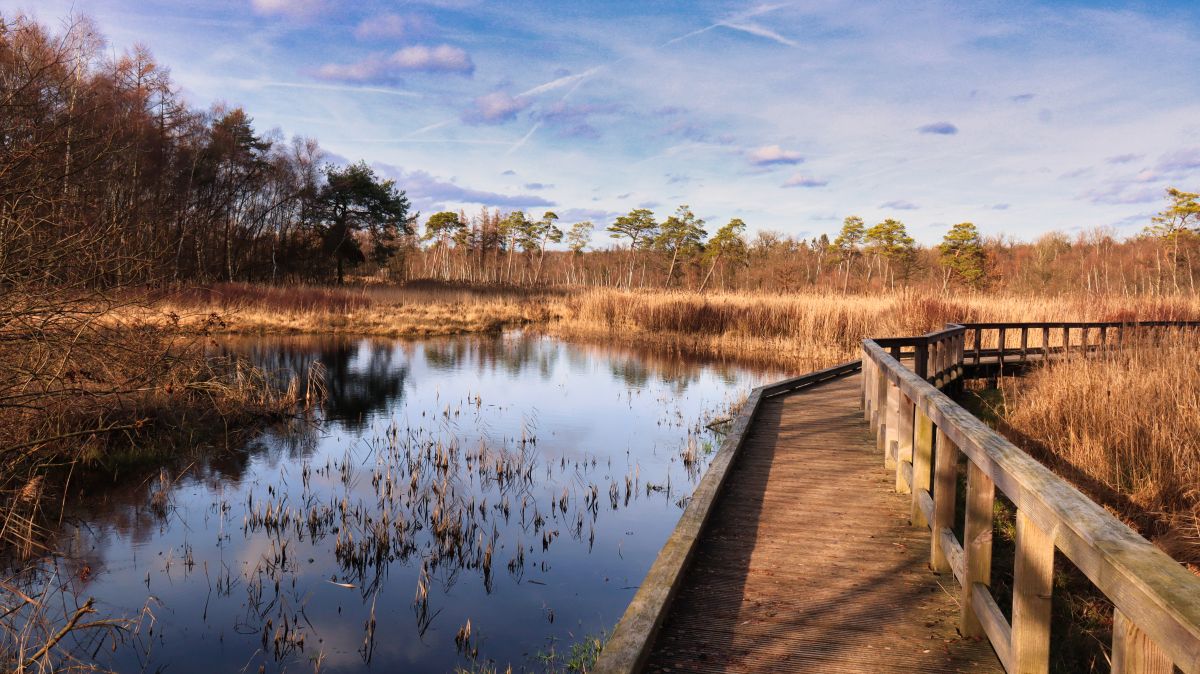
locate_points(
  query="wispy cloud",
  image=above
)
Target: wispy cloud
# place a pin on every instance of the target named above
(1180, 161)
(417, 58)
(289, 8)
(391, 26)
(311, 86)
(760, 31)
(1120, 193)
(900, 205)
(426, 191)
(1124, 158)
(805, 181)
(939, 128)
(771, 155)
(560, 82)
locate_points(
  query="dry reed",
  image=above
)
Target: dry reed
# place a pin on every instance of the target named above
(1122, 427)
(796, 331)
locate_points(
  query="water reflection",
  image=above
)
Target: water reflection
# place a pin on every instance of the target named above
(516, 484)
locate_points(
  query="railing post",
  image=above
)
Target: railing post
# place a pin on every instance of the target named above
(1066, 339)
(1000, 357)
(880, 415)
(977, 545)
(892, 434)
(960, 354)
(1033, 582)
(922, 464)
(1046, 342)
(978, 345)
(868, 368)
(1133, 652)
(904, 446)
(1024, 343)
(945, 475)
(921, 361)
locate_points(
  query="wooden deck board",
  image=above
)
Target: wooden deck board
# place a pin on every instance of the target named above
(809, 563)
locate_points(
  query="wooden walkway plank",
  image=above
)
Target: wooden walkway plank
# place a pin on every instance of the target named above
(809, 563)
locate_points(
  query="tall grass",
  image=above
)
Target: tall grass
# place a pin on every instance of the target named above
(796, 331)
(811, 330)
(1126, 428)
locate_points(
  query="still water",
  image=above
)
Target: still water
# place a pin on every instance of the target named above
(517, 484)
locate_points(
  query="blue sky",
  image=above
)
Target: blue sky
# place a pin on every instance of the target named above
(1023, 117)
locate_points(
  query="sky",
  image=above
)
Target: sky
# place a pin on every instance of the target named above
(1022, 117)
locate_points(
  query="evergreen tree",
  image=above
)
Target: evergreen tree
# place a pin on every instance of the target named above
(962, 256)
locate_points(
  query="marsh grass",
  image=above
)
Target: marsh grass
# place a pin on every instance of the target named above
(1122, 426)
(797, 331)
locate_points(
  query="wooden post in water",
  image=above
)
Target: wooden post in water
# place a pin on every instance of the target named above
(1033, 583)
(922, 464)
(904, 448)
(945, 474)
(977, 546)
(1133, 652)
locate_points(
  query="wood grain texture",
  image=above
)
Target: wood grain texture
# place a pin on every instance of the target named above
(809, 563)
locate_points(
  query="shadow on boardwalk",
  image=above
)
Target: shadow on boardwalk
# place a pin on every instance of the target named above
(809, 563)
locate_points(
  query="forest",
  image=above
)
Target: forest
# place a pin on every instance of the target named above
(110, 178)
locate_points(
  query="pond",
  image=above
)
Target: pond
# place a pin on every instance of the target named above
(460, 503)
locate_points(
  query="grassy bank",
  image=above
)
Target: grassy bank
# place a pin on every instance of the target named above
(798, 331)
(81, 385)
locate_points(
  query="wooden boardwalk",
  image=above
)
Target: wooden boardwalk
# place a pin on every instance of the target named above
(809, 563)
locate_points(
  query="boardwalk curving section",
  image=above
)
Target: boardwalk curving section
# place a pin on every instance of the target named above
(809, 563)
(822, 537)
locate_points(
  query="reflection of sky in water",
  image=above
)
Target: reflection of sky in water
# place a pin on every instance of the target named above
(591, 416)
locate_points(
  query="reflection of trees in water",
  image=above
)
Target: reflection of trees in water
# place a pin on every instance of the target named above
(362, 377)
(513, 354)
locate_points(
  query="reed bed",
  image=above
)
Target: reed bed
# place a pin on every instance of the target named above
(377, 311)
(797, 331)
(1123, 427)
(808, 331)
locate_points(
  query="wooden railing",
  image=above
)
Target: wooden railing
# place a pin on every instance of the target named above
(922, 433)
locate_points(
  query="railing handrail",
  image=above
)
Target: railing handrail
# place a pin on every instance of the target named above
(1157, 600)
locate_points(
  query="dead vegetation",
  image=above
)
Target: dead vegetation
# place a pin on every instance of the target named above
(798, 331)
(1123, 428)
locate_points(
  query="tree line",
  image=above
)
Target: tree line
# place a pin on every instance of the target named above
(108, 178)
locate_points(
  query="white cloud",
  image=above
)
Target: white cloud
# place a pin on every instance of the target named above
(495, 108)
(442, 58)
(418, 58)
(769, 155)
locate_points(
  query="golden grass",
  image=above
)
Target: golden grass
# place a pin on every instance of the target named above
(372, 311)
(1124, 428)
(795, 331)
